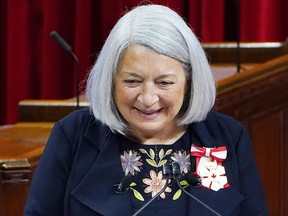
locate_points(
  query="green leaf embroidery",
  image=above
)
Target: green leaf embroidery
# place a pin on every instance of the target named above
(169, 151)
(152, 154)
(162, 162)
(161, 154)
(132, 184)
(151, 162)
(177, 194)
(184, 183)
(137, 195)
(143, 151)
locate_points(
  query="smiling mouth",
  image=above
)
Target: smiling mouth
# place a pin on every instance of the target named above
(149, 113)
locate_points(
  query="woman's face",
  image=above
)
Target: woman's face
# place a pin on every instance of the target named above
(149, 91)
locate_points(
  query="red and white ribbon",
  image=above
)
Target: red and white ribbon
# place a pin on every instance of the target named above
(209, 166)
(218, 154)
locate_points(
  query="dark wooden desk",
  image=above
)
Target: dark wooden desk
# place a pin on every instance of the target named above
(248, 53)
(21, 146)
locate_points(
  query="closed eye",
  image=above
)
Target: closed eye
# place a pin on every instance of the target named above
(132, 81)
(165, 83)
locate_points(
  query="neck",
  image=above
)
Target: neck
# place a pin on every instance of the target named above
(158, 137)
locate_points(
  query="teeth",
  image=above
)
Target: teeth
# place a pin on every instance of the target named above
(148, 112)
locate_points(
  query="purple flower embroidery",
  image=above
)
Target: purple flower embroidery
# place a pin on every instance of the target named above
(183, 159)
(130, 162)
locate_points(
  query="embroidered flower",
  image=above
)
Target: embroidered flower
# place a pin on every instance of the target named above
(183, 159)
(213, 176)
(130, 162)
(155, 184)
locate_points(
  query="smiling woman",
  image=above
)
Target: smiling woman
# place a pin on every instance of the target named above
(150, 93)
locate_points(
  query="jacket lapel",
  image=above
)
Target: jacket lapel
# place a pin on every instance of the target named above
(207, 134)
(224, 201)
(96, 190)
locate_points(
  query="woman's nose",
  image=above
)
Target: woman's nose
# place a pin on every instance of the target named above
(148, 96)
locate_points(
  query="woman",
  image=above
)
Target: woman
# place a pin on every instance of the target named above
(150, 91)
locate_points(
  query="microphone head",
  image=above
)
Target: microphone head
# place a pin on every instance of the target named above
(192, 179)
(61, 41)
(124, 185)
(167, 170)
(126, 181)
(176, 170)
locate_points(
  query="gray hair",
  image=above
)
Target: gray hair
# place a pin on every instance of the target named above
(165, 32)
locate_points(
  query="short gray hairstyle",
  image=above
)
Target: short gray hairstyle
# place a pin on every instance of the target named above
(165, 32)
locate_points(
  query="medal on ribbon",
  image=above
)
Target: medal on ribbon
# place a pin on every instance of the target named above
(209, 166)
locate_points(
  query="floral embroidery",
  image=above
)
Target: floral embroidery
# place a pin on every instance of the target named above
(178, 193)
(183, 159)
(155, 184)
(152, 157)
(131, 162)
(135, 192)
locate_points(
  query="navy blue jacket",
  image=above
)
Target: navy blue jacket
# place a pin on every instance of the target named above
(81, 164)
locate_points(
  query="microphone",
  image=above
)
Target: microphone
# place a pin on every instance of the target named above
(176, 171)
(61, 41)
(167, 174)
(68, 49)
(123, 186)
(192, 180)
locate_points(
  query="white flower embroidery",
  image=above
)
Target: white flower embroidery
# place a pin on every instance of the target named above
(155, 184)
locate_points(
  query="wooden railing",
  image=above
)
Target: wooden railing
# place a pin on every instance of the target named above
(259, 99)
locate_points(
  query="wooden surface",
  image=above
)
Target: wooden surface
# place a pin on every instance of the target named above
(46, 110)
(21, 146)
(259, 99)
(248, 53)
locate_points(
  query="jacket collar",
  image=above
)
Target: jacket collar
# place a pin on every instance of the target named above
(96, 190)
(207, 133)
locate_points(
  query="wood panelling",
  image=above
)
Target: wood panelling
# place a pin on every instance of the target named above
(284, 201)
(12, 199)
(259, 99)
(46, 110)
(267, 137)
(21, 146)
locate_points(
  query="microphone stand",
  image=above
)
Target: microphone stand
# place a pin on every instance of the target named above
(68, 49)
(77, 80)
(193, 197)
(238, 49)
(151, 200)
